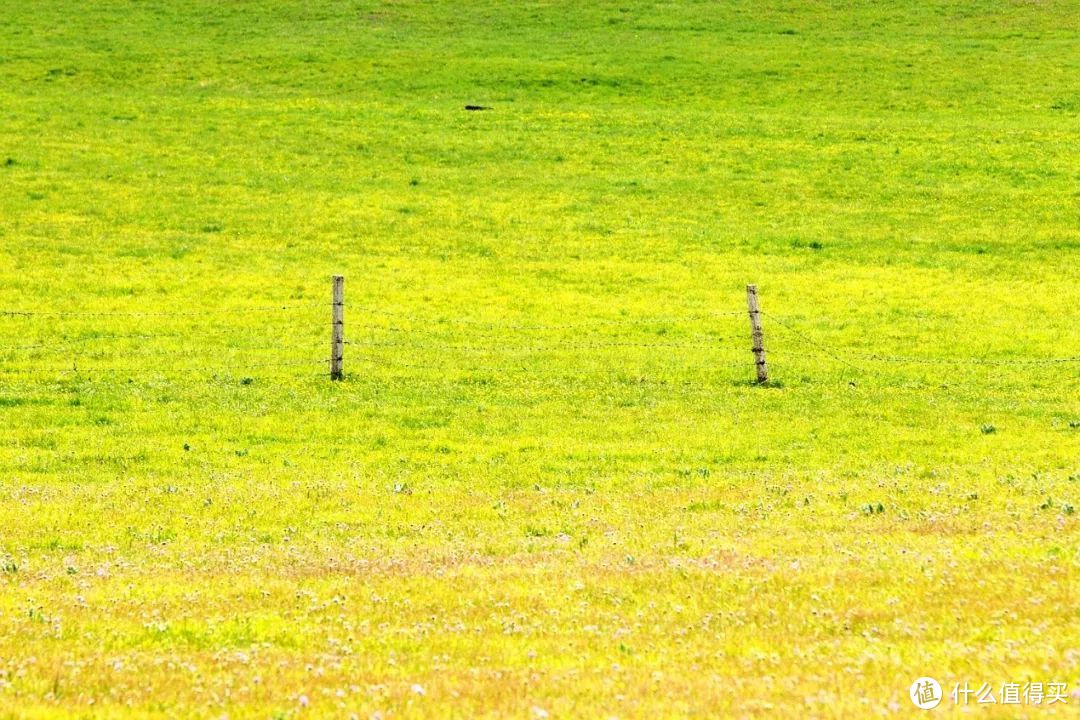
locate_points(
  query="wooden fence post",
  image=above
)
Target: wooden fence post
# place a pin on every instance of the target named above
(757, 335)
(337, 336)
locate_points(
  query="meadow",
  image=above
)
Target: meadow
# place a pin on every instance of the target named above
(548, 485)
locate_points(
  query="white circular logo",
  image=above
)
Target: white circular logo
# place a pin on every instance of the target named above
(925, 693)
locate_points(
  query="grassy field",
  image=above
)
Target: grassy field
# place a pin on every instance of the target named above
(547, 486)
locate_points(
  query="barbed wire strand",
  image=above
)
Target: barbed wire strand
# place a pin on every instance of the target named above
(155, 313)
(114, 353)
(550, 347)
(203, 369)
(822, 349)
(586, 380)
(537, 326)
(900, 359)
(360, 328)
(395, 362)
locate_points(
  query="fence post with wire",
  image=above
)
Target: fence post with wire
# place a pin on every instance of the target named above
(391, 338)
(757, 336)
(337, 331)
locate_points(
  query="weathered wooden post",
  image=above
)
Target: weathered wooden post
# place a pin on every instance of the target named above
(756, 335)
(337, 335)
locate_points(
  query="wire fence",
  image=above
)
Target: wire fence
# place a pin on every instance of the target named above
(400, 341)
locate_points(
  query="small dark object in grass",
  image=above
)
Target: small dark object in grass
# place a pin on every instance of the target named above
(477, 107)
(247, 380)
(988, 429)
(9, 162)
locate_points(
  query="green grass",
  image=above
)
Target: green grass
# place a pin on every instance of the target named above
(547, 483)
